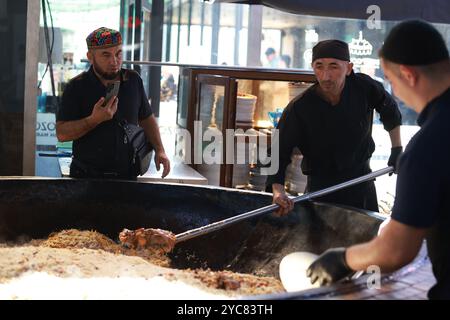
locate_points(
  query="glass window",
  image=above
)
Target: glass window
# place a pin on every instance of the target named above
(286, 39)
(69, 23)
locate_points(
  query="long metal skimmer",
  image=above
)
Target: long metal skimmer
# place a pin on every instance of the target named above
(270, 208)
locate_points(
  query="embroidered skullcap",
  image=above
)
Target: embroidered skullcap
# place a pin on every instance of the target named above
(414, 43)
(103, 38)
(331, 49)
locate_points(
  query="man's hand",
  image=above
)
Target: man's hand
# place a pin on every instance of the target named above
(102, 113)
(330, 267)
(161, 158)
(73, 130)
(280, 198)
(395, 156)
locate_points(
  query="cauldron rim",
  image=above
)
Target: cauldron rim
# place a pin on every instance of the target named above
(205, 187)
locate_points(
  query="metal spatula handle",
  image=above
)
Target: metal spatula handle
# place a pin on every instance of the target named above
(270, 208)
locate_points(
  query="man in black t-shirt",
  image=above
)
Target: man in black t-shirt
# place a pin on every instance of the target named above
(416, 61)
(331, 124)
(100, 149)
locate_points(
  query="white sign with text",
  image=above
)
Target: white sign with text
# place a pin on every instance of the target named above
(46, 129)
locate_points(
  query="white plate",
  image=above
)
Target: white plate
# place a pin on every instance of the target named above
(293, 271)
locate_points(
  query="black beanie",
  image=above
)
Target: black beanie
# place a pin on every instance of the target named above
(331, 49)
(414, 43)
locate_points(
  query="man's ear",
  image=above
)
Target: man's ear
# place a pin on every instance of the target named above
(90, 56)
(409, 74)
(349, 68)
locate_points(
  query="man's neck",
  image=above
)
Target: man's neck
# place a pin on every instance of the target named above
(431, 90)
(104, 81)
(332, 97)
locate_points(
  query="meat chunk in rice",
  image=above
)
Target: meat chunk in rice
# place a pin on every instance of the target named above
(155, 239)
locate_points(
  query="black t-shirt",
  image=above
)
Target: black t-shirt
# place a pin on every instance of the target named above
(423, 187)
(102, 149)
(334, 140)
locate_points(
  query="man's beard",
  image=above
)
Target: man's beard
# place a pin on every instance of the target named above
(103, 74)
(327, 85)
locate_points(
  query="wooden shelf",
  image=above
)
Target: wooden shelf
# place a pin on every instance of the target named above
(195, 104)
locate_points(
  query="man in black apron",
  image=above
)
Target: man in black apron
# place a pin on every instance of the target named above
(331, 124)
(415, 59)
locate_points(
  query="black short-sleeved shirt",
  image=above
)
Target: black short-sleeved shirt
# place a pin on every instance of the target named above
(334, 140)
(102, 148)
(423, 187)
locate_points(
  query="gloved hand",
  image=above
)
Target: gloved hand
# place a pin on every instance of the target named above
(329, 267)
(395, 156)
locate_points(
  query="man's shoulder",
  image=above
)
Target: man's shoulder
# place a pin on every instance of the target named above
(434, 132)
(304, 99)
(80, 81)
(130, 74)
(79, 78)
(365, 79)
(363, 76)
(366, 83)
(438, 122)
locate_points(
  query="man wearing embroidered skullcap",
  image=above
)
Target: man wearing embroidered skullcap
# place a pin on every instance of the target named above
(416, 61)
(96, 125)
(331, 124)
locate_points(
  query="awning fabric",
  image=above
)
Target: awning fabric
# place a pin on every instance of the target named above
(436, 11)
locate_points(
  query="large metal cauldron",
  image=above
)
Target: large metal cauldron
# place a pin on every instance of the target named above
(33, 208)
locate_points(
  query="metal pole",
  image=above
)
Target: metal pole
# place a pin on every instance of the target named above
(215, 32)
(237, 33)
(49, 51)
(270, 208)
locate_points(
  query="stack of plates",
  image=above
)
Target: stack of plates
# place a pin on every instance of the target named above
(297, 88)
(241, 166)
(245, 107)
(295, 179)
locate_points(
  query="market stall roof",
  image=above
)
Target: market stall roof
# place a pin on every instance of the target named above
(436, 11)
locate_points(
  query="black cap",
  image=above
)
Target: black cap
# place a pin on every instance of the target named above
(414, 42)
(331, 49)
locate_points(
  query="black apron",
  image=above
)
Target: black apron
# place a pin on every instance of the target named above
(362, 195)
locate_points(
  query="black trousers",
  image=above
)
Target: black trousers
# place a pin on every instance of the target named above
(363, 195)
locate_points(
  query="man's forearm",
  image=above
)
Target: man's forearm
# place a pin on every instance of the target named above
(277, 188)
(72, 130)
(152, 133)
(396, 246)
(362, 256)
(396, 140)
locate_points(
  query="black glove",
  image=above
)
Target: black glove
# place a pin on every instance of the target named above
(393, 159)
(329, 267)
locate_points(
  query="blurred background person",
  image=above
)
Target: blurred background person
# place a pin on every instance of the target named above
(273, 60)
